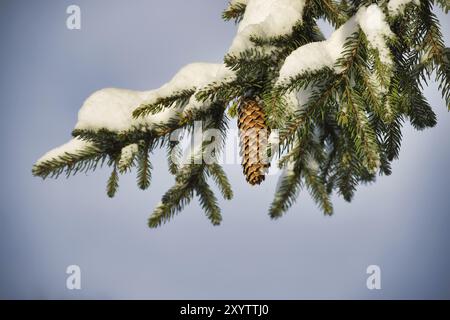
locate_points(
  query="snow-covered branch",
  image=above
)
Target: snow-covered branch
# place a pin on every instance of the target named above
(325, 54)
(266, 19)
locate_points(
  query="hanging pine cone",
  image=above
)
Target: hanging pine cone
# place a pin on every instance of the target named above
(253, 136)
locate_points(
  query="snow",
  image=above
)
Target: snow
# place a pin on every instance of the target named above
(266, 19)
(397, 7)
(127, 155)
(318, 55)
(74, 146)
(373, 23)
(112, 108)
(195, 75)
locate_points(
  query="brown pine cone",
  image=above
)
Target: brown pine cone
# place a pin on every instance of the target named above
(253, 136)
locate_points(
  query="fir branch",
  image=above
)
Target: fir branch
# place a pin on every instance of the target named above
(208, 201)
(305, 80)
(176, 100)
(317, 190)
(290, 182)
(173, 201)
(70, 163)
(289, 185)
(392, 138)
(226, 91)
(443, 75)
(144, 166)
(178, 196)
(302, 33)
(444, 4)
(353, 118)
(419, 111)
(437, 56)
(371, 93)
(350, 126)
(113, 183)
(332, 11)
(127, 157)
(250, 58)
(318, 104)
(233, 108)
(345, 176)
(220, 178)
(234, 12)
(173, 154)
(276, 109)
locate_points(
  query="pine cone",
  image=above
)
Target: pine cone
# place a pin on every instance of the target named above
(253, 135)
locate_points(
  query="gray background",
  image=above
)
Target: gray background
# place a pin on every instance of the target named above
(400, 223)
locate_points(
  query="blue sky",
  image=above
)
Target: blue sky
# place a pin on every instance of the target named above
(399, 223)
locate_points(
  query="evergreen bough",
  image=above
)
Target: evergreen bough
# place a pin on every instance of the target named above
(348, 131)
